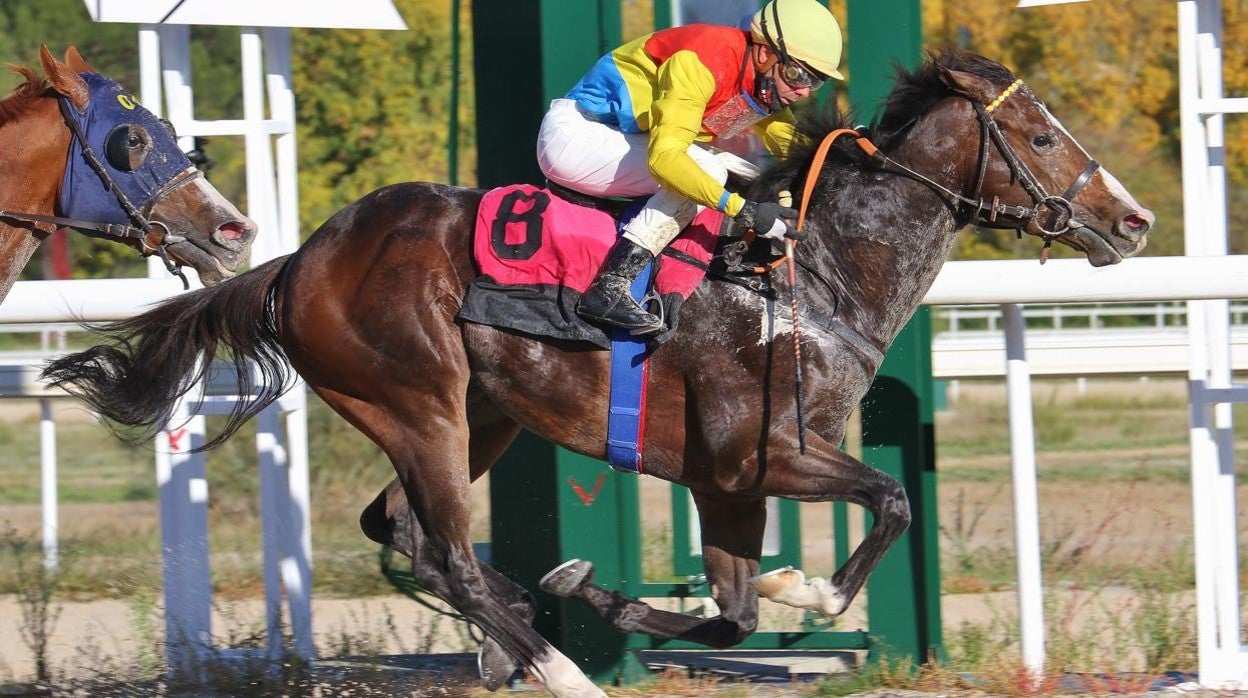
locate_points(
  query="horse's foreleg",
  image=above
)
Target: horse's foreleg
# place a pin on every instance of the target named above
(836, 475)
(732, 533)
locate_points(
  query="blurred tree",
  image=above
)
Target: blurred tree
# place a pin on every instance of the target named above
(373, 107)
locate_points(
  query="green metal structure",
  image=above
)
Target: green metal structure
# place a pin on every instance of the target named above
(550, 505)
(903, 594)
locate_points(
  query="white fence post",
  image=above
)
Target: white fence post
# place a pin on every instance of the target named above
(1026, 504)
(1222, 658)
(48, 489)
(187, 573)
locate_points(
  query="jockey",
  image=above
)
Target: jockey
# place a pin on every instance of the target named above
(628, 128)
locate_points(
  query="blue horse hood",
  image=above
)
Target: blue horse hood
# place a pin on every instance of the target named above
(83, 193)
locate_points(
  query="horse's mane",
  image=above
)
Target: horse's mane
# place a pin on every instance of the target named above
(23, 95)
(914, 93)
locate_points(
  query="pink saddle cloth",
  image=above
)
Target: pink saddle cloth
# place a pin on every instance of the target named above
(537, 253)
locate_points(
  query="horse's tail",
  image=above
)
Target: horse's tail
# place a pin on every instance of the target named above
(153, 359)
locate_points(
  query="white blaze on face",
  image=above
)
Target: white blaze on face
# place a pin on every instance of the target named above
(1108, 180)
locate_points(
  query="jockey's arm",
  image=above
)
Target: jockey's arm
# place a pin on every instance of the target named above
(777, 132)
(685, 87)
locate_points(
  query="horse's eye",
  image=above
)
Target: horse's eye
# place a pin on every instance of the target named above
(127, 146)
(1044, 140)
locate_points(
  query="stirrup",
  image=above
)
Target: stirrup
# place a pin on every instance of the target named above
(652, 299)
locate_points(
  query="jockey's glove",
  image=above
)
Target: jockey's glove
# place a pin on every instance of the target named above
(770, 220)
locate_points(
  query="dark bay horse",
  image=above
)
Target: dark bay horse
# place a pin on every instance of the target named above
(77, 150)
(366, 311)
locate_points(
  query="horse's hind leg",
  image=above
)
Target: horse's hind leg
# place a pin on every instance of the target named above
(732, 535)
(388, 520)
(426, 438)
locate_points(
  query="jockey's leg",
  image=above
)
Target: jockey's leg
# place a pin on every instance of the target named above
(609, 299)
(667, 213)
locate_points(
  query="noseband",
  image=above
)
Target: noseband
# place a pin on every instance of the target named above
(142, 228)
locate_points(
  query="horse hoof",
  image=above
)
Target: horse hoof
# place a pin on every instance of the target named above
(770, 584)
(568, 578)
(494, 665)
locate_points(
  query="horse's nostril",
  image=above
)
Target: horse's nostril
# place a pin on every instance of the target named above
(233, 230)
(1136, 224)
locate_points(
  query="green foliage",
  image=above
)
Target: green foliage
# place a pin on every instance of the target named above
(373, 107)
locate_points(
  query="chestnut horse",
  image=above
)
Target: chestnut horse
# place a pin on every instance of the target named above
(78, 151)
(366, 311)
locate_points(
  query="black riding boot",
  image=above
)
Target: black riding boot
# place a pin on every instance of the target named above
(608, 301)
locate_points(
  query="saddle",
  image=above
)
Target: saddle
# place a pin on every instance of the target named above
(538, 249)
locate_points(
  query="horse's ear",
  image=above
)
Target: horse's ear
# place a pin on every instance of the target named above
(968, 85)
(76, 62)
(63, 78)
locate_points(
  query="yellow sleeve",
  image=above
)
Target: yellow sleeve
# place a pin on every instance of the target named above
(685, 86)
(777, 132)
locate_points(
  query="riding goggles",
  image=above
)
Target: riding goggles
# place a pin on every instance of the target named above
(798, 76)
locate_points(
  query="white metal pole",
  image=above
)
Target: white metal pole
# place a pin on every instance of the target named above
(1226, 572)
(1026, 506)
(183, 488)
(282, 111)
(47, 469)
(175, 57)
(149, 69)
(260, 195)
(1204, 456)
(270, 458)
(297, 569)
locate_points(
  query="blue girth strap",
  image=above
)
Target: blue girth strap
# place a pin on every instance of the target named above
(627, 403)
(628, 391)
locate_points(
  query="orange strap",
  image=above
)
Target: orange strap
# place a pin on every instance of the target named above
(821, 154)
(812, 175)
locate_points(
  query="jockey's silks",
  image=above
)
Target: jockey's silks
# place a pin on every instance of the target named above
(680, 85)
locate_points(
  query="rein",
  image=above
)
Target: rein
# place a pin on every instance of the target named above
(142, 229)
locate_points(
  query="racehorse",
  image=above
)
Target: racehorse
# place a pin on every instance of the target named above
(366, 311)
(76, 150)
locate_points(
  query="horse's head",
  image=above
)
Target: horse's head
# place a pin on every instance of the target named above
(125, 168)
(1031, 174)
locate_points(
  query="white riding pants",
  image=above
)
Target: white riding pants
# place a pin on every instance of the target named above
(596, 159)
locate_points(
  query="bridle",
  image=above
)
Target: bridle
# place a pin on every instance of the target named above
(153, 236)
(1059, 221)
(1054, 216)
